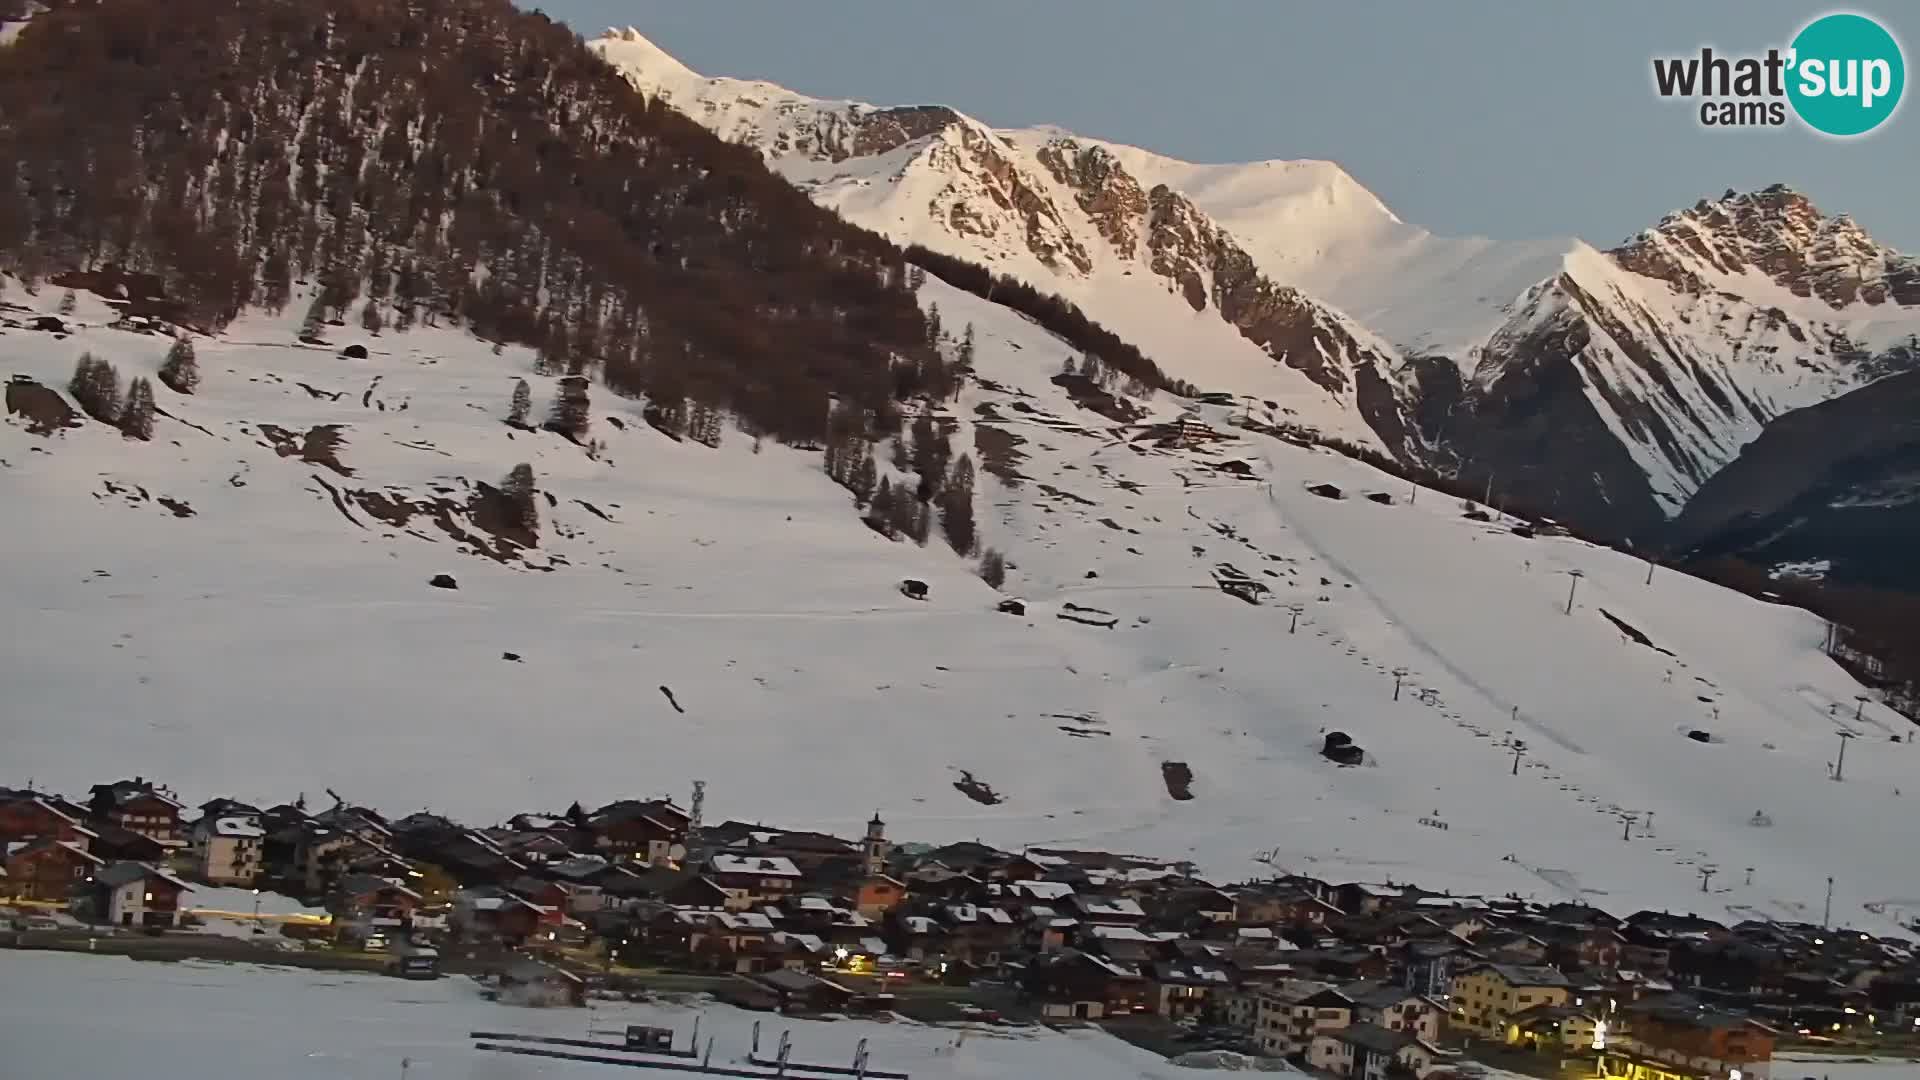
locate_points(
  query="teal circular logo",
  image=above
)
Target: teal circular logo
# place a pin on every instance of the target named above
(1847, 74)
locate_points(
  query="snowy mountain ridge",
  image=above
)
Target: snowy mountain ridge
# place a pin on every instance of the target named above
(1659, 359)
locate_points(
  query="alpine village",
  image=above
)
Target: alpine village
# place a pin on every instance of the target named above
(1356, 979)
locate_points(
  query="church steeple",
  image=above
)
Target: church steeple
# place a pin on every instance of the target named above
(876, 847)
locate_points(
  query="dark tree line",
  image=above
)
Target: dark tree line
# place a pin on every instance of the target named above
(447, 162)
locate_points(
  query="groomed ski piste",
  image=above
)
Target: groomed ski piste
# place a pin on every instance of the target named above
(217, 611)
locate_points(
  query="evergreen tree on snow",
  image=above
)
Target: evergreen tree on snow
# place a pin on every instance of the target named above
(522, 404)
(956, 507)
(933, 324)
(180, 372)
(96, 388)
(966, 348)
(68, 302)
(136, 418)
(571, 413)
(520, 490)
(993, 568)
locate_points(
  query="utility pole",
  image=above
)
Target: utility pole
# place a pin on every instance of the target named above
(1859, 707)
(1573, 583)
(1649, 571)
(1519, 751)
(1839, 769)
(1627, 833)
(1706, 875)
(1398, 675)
(1826, 916)
(1294, 625)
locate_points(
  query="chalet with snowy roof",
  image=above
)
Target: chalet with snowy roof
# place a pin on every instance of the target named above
(45, 869)
(1366, 898)
(1183, 987)
(1285, 906)
(652, 831)
(26, 815)
(138, 805)
(130, 894)
(227, 847)
(1079, 985)
(750, 880)
(1107, 910)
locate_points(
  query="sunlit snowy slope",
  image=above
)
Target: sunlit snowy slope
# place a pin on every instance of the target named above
(269, 629)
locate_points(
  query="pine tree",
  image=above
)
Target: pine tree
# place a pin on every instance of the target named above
(921, 526)
(571, 414)
(956, 507)
(993, 568)
(882, 510)
(966, 348)
(916, 277)
(96, 388)
(933, 324)
(862, 479)
(136, 419)
(521, 492)
(522, 404)
(180, 372)
(370, 318)
(68, 302)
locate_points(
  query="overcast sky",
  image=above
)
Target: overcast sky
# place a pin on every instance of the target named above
(1510, 120)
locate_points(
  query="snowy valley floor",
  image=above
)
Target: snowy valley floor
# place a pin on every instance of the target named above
(72, 1016)
(263, 634)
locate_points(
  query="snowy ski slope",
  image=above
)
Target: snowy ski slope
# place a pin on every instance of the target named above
(282, 639)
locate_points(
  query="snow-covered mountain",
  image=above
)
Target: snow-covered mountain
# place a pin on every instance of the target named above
(1094, 222)
(243, 607)
(1601, 385)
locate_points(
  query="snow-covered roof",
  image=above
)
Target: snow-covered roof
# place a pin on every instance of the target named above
(1256, 933)
(1043, 890)
(238, 827)
(1121, 933)
(755, 865)
(809, 942)
(1111, 906)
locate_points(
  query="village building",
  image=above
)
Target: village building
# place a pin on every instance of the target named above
(45, 869)
(227, 848)
(752, 880)
(1079, 985)
(1367, 1052)
(652, 831)
(26, 815)
(1558, 1031)
(131, 894)
(1487, 996)
(1688, 1042)
(139, 806)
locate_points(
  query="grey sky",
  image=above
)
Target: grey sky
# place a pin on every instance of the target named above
(1506, 119)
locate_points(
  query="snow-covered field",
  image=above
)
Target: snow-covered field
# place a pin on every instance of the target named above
(282, 640)
(65, 1014)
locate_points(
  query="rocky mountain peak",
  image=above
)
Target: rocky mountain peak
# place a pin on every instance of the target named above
(1777, 232)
